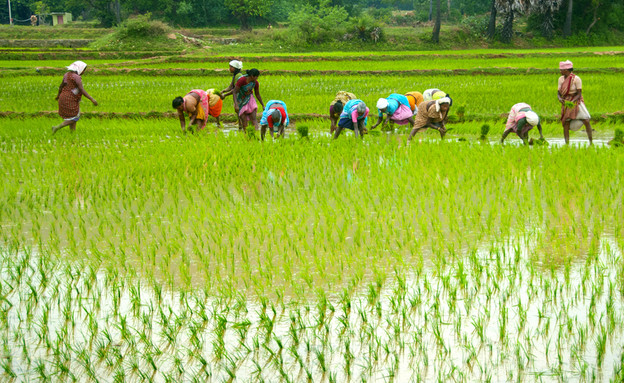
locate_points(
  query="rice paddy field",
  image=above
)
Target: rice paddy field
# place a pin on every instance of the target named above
(130, 251)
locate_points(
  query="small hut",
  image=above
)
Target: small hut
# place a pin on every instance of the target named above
(60, 18)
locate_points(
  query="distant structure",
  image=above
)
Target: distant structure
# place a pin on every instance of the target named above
(60, 18)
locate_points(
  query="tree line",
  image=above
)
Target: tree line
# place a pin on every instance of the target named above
(547, 17)
(550, 16)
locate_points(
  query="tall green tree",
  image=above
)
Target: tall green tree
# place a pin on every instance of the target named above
(245, 10)
(318, 24)
(596, 6)
(108, 12)
(592, 16)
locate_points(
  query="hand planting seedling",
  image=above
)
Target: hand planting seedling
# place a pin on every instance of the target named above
(539, 142)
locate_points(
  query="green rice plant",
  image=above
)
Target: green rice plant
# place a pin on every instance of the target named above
(371, 61)
(412, 278)
(311, 94)
(485, 129)
(618, 140)
(303, 131)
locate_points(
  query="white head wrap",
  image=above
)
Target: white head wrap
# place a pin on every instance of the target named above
(236, 64)
(443, 100)
(532, 118)
(78, 67)
(382, 103)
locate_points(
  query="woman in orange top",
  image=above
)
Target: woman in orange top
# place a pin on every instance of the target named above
(414, 98)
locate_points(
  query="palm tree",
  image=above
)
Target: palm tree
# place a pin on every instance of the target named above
(547, 9)
(567, 27)
(508, 8)
(491, 31)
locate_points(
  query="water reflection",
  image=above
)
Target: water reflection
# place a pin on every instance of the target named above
(498, 313)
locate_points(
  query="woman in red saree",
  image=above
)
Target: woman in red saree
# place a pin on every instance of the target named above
(573, 109)
(69, 94)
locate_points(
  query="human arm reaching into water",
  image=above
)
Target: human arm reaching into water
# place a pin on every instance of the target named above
(380, 119)
(182, 120)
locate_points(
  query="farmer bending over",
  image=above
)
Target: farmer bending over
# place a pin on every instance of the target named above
(521, 120)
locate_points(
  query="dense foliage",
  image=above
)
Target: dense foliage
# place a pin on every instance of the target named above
(546, 18)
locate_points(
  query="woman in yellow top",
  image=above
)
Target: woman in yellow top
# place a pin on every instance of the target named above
(195, 104)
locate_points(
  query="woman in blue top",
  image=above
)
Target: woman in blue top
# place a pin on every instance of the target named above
(398, 109)
(354, 116)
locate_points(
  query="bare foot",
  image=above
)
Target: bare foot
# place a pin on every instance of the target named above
(54, 129)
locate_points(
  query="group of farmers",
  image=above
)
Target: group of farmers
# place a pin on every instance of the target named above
(244, 89)
(420, 110)
(426, 110)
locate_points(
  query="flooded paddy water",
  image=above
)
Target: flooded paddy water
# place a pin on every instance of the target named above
(494, 315)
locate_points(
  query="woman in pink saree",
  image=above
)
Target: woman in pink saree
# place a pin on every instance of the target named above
(244, 101)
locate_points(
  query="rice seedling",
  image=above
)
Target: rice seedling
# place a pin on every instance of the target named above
(310, 95)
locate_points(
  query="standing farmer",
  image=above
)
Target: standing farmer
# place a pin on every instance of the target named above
(244, 101)
(69, 95)
(521, 120)
(573, 107)
(236, 68)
